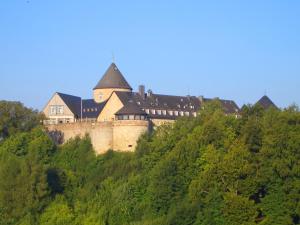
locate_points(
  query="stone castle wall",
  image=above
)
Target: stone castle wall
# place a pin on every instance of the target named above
(127, 132)
(116, 135)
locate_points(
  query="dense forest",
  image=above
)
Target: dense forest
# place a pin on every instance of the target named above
(210, 170)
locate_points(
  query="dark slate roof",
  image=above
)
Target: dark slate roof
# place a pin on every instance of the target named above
(189, 104)
(91, 109)
(229, 106)
(113, 78)
(73, 102)
(266, 102)
(131, 108)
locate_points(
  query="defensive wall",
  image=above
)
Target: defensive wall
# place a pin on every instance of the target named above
(119, 135)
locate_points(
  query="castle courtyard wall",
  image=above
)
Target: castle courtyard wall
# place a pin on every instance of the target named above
(100, 133)
(160, 122)
(116, 135)
(127, 132)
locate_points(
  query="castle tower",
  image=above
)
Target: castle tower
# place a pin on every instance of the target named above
(112, 80)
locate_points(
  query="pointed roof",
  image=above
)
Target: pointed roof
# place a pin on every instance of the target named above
(113, 78)
(266, 102)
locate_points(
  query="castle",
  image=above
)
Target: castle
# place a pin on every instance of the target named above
(116, 116)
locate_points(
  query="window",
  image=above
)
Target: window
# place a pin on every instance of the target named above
(170, 113)
(60, 110)
(143, 117)
(153, 111)
(52, 110)
(164, 112)
(176, 113)
(187, 113)
(125, 117)
(56, 110)
(181, 113)
(131, 117)
(100, 96)
(194, 114)
(137, 117)
(147, 111)
(159, 112)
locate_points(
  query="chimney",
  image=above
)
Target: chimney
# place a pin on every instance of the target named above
(149, 94)
(142, 91)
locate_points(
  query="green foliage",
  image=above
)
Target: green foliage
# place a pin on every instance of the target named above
(57, 213)
(214, 169)
(14, 117)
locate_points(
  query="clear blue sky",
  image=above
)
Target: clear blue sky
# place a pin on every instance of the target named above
(231, 49)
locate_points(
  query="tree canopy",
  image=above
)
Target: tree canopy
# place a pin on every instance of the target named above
(214, 169)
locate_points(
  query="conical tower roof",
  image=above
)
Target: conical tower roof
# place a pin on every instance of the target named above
(113, 78)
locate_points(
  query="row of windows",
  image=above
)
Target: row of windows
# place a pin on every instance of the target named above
(178, 105)
(56, 110)
(169, 112)
(90, 110)
(131, 117)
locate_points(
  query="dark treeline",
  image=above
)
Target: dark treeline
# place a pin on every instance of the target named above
(209, 170)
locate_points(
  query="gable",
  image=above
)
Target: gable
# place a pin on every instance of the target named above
(113, 105)
(56, 100)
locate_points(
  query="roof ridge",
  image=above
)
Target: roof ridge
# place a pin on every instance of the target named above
(60, 93)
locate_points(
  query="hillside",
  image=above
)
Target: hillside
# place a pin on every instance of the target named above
(209, 170)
